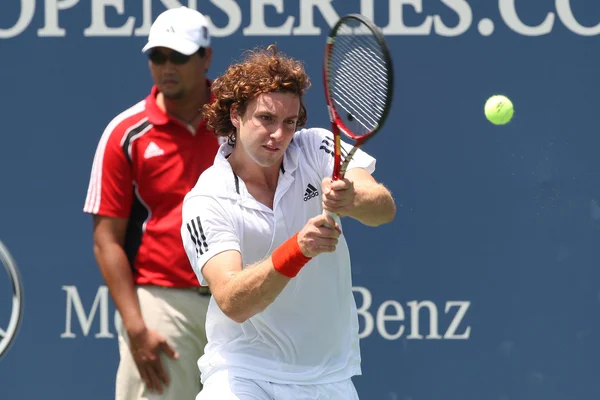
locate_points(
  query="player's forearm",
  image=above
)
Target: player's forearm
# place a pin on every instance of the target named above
(251, 290)
(373, 204)
(116, 271)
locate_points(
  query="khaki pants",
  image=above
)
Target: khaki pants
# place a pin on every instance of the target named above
(179, 315)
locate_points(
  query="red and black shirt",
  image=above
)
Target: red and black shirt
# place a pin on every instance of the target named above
(145, 164)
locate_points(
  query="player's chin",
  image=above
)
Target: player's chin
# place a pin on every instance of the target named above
(172, 91)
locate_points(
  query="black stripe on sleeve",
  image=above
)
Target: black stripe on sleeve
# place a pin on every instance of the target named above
(197, 234)
(193, 237)
(202, 234)
(327, 147)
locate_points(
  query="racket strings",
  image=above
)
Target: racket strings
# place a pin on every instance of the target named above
(358, 79)
(366, 110)
(359, 87)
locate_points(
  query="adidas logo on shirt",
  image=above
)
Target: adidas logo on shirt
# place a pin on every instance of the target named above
(153, 150)
(310, 192)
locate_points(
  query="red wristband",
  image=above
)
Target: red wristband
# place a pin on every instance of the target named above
(288, 259)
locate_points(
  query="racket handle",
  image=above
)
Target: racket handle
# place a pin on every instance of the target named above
(332, 215)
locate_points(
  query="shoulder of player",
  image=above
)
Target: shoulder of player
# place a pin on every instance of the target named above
(112, 141)
(213, 193)
(215, 181)
(311, 140)
(134, 118)
(314, 136)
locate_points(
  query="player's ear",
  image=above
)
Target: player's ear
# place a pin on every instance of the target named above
(234, 116)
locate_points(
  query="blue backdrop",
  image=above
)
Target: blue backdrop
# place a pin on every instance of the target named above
(487, 284)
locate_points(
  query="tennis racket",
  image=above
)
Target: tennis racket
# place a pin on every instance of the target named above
(359, 80)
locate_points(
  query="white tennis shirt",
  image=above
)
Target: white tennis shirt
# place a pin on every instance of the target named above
(309, 334)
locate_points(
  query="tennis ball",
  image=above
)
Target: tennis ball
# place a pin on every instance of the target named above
(499, 110)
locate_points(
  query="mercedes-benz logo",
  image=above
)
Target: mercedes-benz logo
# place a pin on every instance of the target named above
(8, 335)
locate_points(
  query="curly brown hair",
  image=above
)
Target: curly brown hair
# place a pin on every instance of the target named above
(260, 71)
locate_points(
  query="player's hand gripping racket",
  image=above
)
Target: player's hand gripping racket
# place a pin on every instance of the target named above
(359, 81)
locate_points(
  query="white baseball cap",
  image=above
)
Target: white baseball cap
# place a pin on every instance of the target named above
(181, 29)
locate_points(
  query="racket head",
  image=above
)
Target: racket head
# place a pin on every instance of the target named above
(358, 77)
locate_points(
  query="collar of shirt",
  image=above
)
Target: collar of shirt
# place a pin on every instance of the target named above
(290, 164)
(156, 116)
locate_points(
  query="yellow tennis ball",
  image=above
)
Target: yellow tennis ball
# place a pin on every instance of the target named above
(499, 110)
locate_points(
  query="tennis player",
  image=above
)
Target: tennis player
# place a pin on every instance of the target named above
(282, 322)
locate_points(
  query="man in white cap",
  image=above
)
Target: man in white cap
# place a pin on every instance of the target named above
(148, 158)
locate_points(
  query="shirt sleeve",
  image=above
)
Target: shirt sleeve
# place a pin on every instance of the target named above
(318, 144)
(110, 190)
(207, 229)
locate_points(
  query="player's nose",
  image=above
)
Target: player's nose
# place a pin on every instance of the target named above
(277, 134)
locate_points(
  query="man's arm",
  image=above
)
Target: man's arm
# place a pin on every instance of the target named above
(145, 344)
(109, 236)
(243, 292)
(359, 196)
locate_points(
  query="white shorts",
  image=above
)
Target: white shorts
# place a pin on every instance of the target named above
(223, 386)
